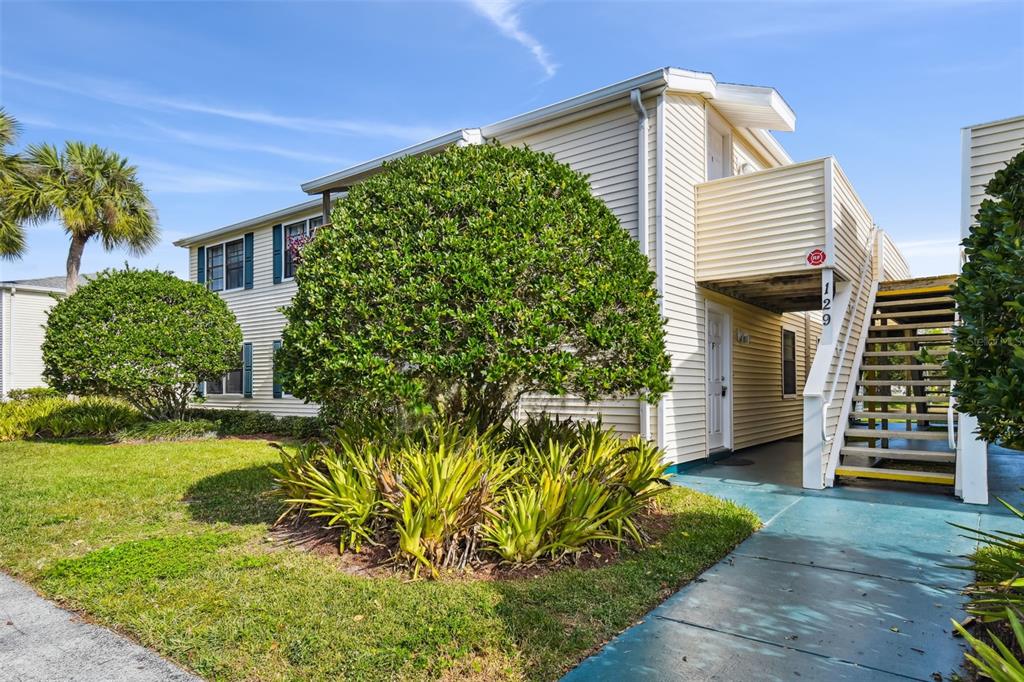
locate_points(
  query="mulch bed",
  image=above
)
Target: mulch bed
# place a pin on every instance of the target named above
(374, 561)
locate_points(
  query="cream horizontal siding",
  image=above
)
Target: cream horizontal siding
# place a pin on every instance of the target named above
(852, 225)
(893, 265)
(258, 313)
(761, 413)
(761, 223)
(685, 165)
(23, 324)
(743, 154)
(991, 145)
(604, 147)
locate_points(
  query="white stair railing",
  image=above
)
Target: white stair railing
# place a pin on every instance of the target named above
(820, 441)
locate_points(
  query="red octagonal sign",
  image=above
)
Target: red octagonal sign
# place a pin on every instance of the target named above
(816, 257)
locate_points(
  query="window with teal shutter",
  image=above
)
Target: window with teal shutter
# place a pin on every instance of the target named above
(246, 370)
(201, 265)
(249, 239)
(278, 239)
(277, 382)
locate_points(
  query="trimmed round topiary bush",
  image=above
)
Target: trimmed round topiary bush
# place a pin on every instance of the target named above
(463, 280)
(142, 336)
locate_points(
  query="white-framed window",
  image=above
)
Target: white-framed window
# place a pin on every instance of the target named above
(225, 265)
(228, 384)
(788, 363)
(297, 230)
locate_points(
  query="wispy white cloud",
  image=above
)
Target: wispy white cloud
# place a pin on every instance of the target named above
(504, 14)
(121, 94)
(169, 178)
(233, 144)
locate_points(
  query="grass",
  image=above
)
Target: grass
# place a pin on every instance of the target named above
(168, 542)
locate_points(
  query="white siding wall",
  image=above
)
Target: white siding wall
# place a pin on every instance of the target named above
(991, 145)
(604, 147)
(23, 338)
(257, 311)
(762, 223)
(852, 226)
(685, 166)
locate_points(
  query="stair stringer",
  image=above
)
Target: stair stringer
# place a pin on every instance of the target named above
(849, 391)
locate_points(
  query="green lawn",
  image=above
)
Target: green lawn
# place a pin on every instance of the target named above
(169, 543)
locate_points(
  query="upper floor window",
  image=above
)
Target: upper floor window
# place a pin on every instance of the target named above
(225, 266)
(295, 235)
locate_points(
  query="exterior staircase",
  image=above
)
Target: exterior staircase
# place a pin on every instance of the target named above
(901, 425)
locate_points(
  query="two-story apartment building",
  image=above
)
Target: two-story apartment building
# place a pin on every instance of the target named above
(762, 263)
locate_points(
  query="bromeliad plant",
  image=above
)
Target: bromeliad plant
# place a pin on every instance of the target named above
(449, 496)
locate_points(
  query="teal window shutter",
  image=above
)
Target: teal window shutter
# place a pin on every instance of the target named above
(248, 259)
(201, 265)
(278, 253)
(277, 384)
(200, 389)
(246, 370)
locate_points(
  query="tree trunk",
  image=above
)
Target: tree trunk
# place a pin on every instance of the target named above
(74, 262)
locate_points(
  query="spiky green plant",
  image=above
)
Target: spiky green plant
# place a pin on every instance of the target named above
(999, 566)
(998, 662)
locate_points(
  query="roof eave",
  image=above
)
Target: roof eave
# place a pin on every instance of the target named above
(251, 222)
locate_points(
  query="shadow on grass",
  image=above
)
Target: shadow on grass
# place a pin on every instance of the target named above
(238, 497)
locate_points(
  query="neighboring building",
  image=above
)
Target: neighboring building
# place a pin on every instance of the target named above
(765, 266)
(24, 306)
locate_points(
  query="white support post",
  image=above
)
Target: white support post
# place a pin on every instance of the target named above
(814, 442)
(972, 462)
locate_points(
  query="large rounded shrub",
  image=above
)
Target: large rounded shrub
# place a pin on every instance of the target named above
(988, 362)
(466, 279)
(140, 335)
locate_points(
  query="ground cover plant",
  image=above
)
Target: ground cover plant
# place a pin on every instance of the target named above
(170, 543)
(450, 496)
(54, 417)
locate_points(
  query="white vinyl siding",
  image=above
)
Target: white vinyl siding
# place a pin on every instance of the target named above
(762, 223)
(258, 313)
(991, 145)
(603, 146)
(761, 413)
(852, 227)
(21, 362)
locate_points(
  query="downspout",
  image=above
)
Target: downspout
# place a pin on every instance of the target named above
(636, 99)
(9, 379)
(659, 240)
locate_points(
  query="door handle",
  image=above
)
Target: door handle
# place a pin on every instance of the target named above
(724, 389)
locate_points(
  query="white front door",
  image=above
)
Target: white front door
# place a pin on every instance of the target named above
(717, 372)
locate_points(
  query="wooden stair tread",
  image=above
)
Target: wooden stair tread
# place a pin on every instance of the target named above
(913, 416)
(918, 338)
(892, 434)
(901, 454)
(897, 475)
(914, 301)
(900, 353)
(901, 398)
(909, 325)
(937, 381)
(913, 313)
(929, 367)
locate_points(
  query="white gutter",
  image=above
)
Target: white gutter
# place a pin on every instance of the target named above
(10, 344)
(12, 286)
(636, 99)
(659, 239)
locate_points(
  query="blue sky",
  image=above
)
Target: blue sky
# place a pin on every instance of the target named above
(227, 107)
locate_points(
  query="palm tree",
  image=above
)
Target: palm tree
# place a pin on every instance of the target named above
(94, 193)
(12, 232)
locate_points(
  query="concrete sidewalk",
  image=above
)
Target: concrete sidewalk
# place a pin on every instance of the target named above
(40, 641)
(850, 583)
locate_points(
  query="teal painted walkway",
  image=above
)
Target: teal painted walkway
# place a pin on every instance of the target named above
(841, 584)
